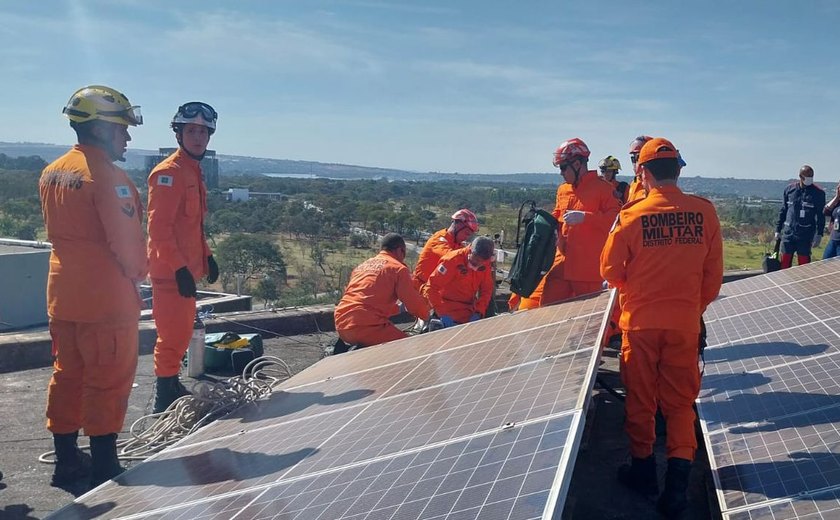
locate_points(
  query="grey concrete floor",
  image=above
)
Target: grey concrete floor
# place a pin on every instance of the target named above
(594, 493)
(25, 492)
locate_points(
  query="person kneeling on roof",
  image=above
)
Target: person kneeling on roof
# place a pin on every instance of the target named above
(361, 317)
(462, 285)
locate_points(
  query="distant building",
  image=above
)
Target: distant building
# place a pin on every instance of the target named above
(244, 195)
(209, 165)
(24, 265)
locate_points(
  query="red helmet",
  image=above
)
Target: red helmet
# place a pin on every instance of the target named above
(467, 217)
(636, 145)
(572, 149)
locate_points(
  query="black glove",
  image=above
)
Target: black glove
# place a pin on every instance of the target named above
(186, 282)
(212, 270)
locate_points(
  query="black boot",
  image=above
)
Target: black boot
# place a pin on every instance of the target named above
(640, 475)
(673, 500)
(105, 464)
(71, 463)
(167, 390)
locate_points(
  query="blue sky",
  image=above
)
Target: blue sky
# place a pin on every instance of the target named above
(746, 89)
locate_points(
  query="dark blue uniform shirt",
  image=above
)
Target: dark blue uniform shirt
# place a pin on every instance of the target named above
(801, 216)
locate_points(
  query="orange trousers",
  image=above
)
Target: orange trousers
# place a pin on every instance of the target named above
(554, 288)
(174, 317)
(659, 367)
(92, 376)
(371, 335)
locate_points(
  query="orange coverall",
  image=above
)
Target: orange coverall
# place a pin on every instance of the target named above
(438, 245)
(93, 216)
(453, 286)
(575, 269)
(665, 256)
(636, 191)
(177, 205)
(361, 317)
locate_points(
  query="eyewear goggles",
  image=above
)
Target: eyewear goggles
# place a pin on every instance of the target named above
(194, 108)
(563, 167)
(634, 157)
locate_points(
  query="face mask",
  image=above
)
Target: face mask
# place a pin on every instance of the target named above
(807, 181)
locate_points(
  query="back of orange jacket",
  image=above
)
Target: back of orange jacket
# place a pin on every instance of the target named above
(438, 245)
(453, 286)
(665, 255)
(582, 243)
(375, 286)
(93, 216)
(177, 205)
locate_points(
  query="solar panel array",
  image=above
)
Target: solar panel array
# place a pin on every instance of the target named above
(770, 402)
(479, 421)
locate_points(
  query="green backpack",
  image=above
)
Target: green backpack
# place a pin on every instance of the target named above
(535, 254)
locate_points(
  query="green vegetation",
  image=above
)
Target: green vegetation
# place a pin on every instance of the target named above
(299, 246)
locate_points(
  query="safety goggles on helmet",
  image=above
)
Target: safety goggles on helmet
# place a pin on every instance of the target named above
(193, 108)
(196, 112)
(98, 102)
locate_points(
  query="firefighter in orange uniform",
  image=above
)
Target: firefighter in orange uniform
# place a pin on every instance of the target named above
(665, 257)
(361, 317)
(464, 225)
(636, 190)
(178, 252)
(586, 208)
(462, 285)
(93, 216)
(609, 168)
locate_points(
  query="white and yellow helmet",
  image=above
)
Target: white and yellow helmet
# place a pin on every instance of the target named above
(97, 102)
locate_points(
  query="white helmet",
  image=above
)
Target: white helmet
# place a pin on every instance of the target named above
(197, 113)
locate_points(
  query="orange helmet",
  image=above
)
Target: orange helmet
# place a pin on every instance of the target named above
(467, 217)
(569, 150)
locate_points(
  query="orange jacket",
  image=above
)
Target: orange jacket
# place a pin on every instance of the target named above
(438, 245)
(580, 245)
(177, 204)
(636, 191)
(665, 256)
(453, 286)
(93, 216)
(374, 288)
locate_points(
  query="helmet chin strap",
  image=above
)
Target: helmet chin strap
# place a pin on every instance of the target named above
(577, 174)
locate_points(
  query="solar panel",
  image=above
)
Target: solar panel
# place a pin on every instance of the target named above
(770, 402)
(480, 421)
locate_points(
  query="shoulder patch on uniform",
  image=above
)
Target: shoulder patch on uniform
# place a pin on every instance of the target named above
(164, 180)
(441, 269)
(123, 192)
